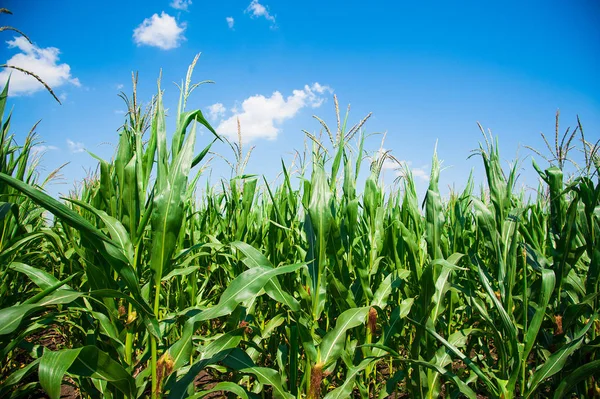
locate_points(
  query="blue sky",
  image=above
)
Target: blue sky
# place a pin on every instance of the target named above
(427, 70)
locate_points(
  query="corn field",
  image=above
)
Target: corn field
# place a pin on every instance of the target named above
(143, 284)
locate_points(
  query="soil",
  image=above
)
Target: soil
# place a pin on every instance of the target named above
(52, 339)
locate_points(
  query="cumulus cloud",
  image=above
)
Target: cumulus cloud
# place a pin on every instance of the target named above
(261, 117)
(41, 61)
(75, 147)
(230, 22)
(420, 173)
(159, 31)
(40, 149)
(388, 163)
(215, 111)
(256, 10)
(181, 4)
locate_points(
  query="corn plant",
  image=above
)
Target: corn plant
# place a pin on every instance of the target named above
(312, 286)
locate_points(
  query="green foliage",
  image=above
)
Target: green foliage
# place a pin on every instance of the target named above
(320, 289)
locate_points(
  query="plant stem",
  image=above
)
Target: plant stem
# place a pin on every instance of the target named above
(129, 339)
(525, 314)
(153, 345)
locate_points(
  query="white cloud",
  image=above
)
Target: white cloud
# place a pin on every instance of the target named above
(119, 112)
(388, 164)
(39, 149)
(41, 61)
(181, 4)
(261, 116)
(230, 22)
(63, 96)
(120, 86)
(75, 147)
(256, 10)
(421, 173)
(162, 32)
(320, 88)
(398, 167)
(215, 111)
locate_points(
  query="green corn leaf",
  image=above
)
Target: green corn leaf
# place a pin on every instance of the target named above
(336, 161)
(319, 211)
(3, 98)
(246, 286)
(443, 356)
(202, 154)
(557, 360)
(149, 319)
(6, 207)
(212, 353)
(547, 287)
(465, 359)
(273, 288)
(18, 245)
(167, 212)
(60, 210)
(11, 317)
(463, 387)
(332, 345)
(107, 327)
(580, 374)
(40, 296)
(60, 297)
(17, 376)
(434, 216)
(88, 361)
(253, 257)
(238, 359)
(441, 284)
(270, 377)
(222, 387)
(142, 307)
(99, 240)
(340, 293)
(344, 390)
(131, 204)
(306, 338)
(405, 307)
(52, 369)
(116, 230)
(222, 343)
(39, 277)
(382, 293)
(509, 328)
(184, 121)
(181, 271)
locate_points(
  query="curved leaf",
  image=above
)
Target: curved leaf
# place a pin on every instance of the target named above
(88, 361)
(39, 277)
(246, 286)
(333, 342)
(574, 378)
(270, 377)
(10, 318)
(557, 360)
(222, 386)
